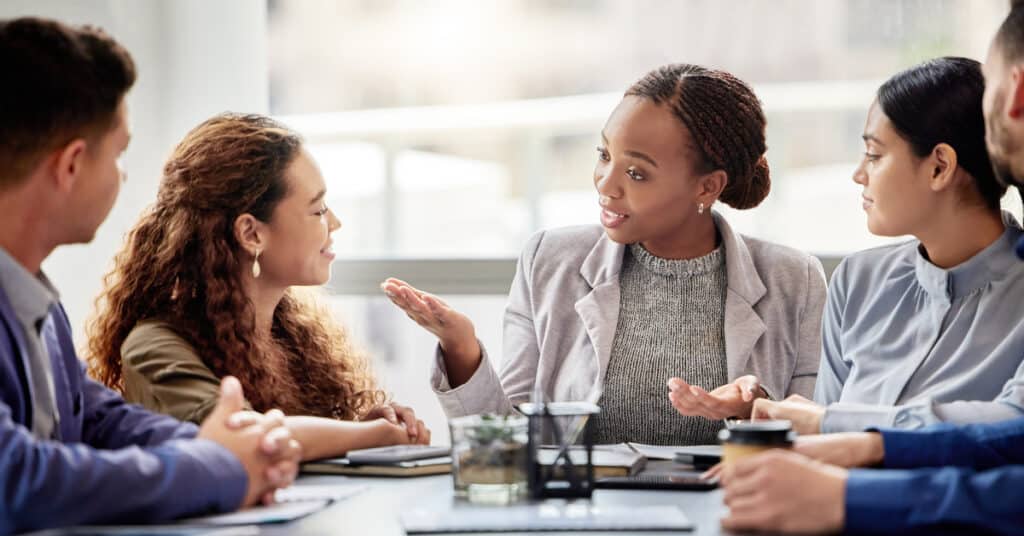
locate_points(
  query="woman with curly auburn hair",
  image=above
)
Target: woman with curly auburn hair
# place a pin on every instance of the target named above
(202, 290)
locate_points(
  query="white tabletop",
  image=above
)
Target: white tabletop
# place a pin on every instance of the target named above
(376, 510)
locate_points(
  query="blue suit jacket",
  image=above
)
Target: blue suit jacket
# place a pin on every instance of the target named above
(112, 463)
(941, 479)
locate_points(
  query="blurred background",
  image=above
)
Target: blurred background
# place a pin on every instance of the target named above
(450, 130)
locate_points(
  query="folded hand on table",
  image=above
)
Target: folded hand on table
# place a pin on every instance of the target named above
(404, 416)
(261, 442)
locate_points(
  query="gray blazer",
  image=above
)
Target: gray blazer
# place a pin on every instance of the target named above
(563, 310)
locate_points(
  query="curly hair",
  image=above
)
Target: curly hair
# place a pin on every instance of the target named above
(182, 264)
(724, 117)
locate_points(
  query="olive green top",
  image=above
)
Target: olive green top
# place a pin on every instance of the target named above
(163, 373)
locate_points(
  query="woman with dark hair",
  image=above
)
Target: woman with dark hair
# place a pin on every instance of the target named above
(922, 331)
(663, 291)
(942, 479)
(203, 289)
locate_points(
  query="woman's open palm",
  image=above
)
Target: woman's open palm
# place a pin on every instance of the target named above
(452, 328)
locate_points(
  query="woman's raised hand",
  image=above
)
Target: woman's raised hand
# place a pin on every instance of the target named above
(454, 330)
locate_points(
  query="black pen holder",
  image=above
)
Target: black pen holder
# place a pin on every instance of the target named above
(557, 467)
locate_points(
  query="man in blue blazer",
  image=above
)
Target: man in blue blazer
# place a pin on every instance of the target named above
(945, 477)
(71, 450)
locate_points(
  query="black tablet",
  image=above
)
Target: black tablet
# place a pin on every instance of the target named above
(658, 482)
(700, 457)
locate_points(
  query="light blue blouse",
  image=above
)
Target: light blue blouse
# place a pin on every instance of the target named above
(907, 344)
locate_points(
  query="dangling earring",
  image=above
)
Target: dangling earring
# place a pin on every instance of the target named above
(700, 208)
(256, 265)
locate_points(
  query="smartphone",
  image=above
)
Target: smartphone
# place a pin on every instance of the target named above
(657, 481)
(396, 454)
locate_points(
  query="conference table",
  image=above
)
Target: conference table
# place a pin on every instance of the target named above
(375, 510)
(375, 504)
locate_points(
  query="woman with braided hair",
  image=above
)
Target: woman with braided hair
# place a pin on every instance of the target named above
(203, 289)
(663, 291)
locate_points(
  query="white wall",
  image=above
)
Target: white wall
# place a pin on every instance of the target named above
(194, 58)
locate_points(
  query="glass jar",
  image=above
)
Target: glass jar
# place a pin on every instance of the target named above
(489, 458)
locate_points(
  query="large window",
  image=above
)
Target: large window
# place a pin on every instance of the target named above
(455, 128)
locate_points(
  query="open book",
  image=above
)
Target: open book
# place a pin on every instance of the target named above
(609, 460)
(706, 453)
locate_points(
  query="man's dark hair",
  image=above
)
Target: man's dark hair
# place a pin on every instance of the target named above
(59, 83)
(1010, 36)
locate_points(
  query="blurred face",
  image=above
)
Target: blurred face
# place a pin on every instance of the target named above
(896, 196)
(298, 238)
(645, 176)
(96, 190)
(1000, 136)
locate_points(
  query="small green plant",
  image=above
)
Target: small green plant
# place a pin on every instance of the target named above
(495, 428)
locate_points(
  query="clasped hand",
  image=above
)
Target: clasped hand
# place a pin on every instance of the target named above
(261, 442)
(403, 416)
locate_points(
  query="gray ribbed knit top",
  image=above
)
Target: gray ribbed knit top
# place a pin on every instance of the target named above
(671, 323)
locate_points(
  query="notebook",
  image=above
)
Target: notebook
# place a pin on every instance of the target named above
(342, 466)
(149, 530)
(396, 453)
(669, 452)
(608, 460)
(543, 517)
(275, 513)
(292, 503)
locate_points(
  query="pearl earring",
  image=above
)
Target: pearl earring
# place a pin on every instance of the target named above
(700, 208)
(256, 265)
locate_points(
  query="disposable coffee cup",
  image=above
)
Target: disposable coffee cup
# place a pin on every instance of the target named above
(747, 438)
